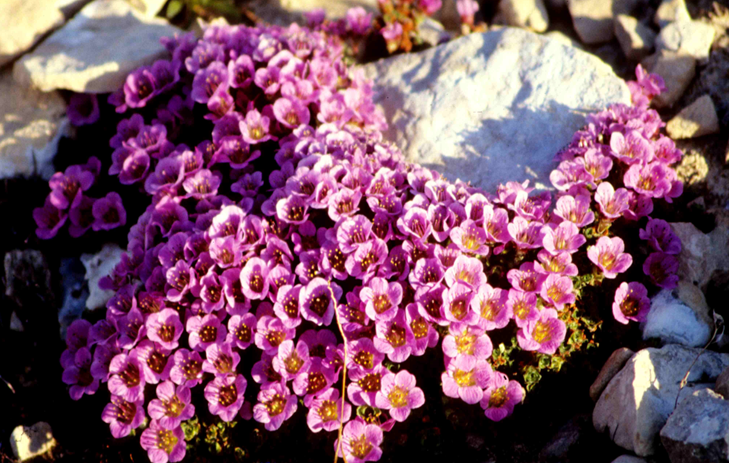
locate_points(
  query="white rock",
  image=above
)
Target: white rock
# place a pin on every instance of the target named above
(531, 14)
(677, 71)
(31, 124)
(635, 38)
(692, 38)
(628, 459)
(695, 120)
(563, 38)
(24, 23)
(98, 266)
(593, 19)
(72, 58)
(671, 11)
(31, 441)
(612, 366)
(638, 400)
(701, 253)
(698, 430)
(491, 107)
(71, 7)
(674, 322)
(432, 32)
(149, 8)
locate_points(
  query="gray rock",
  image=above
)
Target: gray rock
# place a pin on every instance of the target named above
(75, 292)
(677, 71)
(593, 19)
(71, 7)
(698, 430)
(701, 253)
(671, 11)
(98, 266)
(565, 444)
(149, 8)
(432, 32)
(31, 125)
(695, 120)
(638, 400)
(674, 322)
(27, 278)
(635, 38)
(480, 107)
(613, 365)
(563, 38)
(722, 384)
(31, 441)
(692, 38)
(24, 23)
(628, 459)
(15, 323)
(531, 14)
(72, 59)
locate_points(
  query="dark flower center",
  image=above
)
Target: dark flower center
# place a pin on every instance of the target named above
(208, 334)
(370, 382)
(316, 382)
(157, 362)
(227, 395)
(319, 304)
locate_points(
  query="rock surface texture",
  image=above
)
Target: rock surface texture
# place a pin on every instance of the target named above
(722, 384)
(593, 19)
(539, 91)
(691, 38)
(24, 23)
(638, 401)
(98, 266)
(674, 322)
(698, 430)
(671, 11)
(613, 365)
(531, 14)
(677, 71)
(31, 441)
(698, 259)
(635, 38)
(695, 120)
(72, 59)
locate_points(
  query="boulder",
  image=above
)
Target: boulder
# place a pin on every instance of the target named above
(722, 384)
(671, 11)
(72, 59)
(698, 430)
(613, 365)
(31, 125)
(98, 266)
(673, 322)
(693, 38)
(593, 19)
(491, 107)
(695, 120)
(635, 38)
(31, 441)
(638, 400)
(24, 23)
(531, 14)
(677, 71)
(701, 253)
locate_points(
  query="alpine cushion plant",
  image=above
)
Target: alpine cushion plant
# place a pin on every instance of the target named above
(291, 259)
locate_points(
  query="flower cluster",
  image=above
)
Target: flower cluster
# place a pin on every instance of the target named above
(293, 232)
(67, 202)
(398, 24)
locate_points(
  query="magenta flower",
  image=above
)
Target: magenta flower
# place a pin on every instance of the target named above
(424, 335)
(526, 235)
(399, 395)
(317, 304)
(275, 405)
(526, 278)
(204, 331)
(429, 7)
(165, 328)
(500, 397)
(457, 304)
(496, 224)
(344, 203)
(612, 202)
(362, 355)
(225, 395)
(544, 335)
(565, 237)
(662, 269)
(428, 272)
(364, 385)
(523, 306)
(163, 445)
(608, 255)
(560, 264)
(325, 411)
(394, 338)
(289, 361)
(254, 279)
(187, 368)
(465, 270)
(67, 187)
(575, 209)
(209, 82)
(557, 291)
(270, 333)
(631, 303)
(313, 379)
(467, 340)
(490, 304)
(597, 165)
(255, 128)
(631, 148)
(465, 378)
(381, 299)
(358, 20)
(220, 359)
(467, 10)
(172, 405)
(78, 375)
(470, 238)
(123, 416)
(415, 224)
(360, 441)
(155, 361)
(202, 184)
(49, 220)
(660, 237)
(652, 180)
(290, 112)
(127, 377)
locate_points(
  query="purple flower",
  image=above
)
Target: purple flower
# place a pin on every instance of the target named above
(362, 355)
(313, 380)
(457, 304)
(220, 359)
(155, 361)
(490, 304)
(575, 209)
(291, 113)
(270, 333)
(187, 368)
(470, 238)
(139, 87)
(275, 405)
(660, 237)
(523, 306)
(557, 291)
(399, 395)
(544, 335)
(344, 203)
(565, 237)
(608, 255)
(211, 81)
(254, 279)
(255, 128)
(83, 109)
(127, 377)
(67, 187)
(360, 442)
(526, 235)
(241, 71)
(612, 202)
(415, 223)
(78, 375)
(358, 20)
(596, 164)
(49, 220)
(424, 335)
(123, 416)
(467, 10)
(366, 260)
(202, 184)
(172, 405)
(325, 411)
(225, 396)
(364, 385)
(652, 180)
(109, 212)
(381, 299)
(317, 304)
(500, 397)
(289, 360)
(353, 232)
(631, 148)
(662, 269)
(165, 328)
(465, 378)
(465, 270)
(631, 303)
(204, 331)
(526, 278)
(466, 339)
(394, 338)
(163, 445)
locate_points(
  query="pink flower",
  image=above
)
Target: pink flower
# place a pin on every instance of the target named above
(325, 411)
(631, 303)
(545, 334)
(275, 405)
(631, 148)
(467, 10)
(466, 377)
(164, 327)
(163, 445)
(526, 278)
(490, 304)
(526, 235)
(608, 255)
(575, 209)
(557, 291)
(560, 264)
(565, 237)
(289, 361)
(399, 395)
(362, 355)
(467, 340)
(360, 442)
(612, 203)
(225, 395)
(172, 405)
(381, 299)
(470, 238)
(500, 397)
(652, 180)
(220, 359)
(394, 338)
(123, 416)
(523, 306)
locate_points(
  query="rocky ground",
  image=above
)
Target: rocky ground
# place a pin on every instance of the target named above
(488, 108)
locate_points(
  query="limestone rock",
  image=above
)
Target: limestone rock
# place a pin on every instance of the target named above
(72, 59)
(31, 441)
(71, 7)
(695, 120)
(612, 366)
(722, 384)
(628, 459)
(432, 32)
(671, 11)
(98, 266)
(635, 38)
(149, 8)
(701, 253)
(24, 23)
(491, 107)
(638, 400)
(531, 14)
(698, 430)
(692, 38)
(593, 19)
(674, 322)
(563, 38)
(677, 71)
(31, 124)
